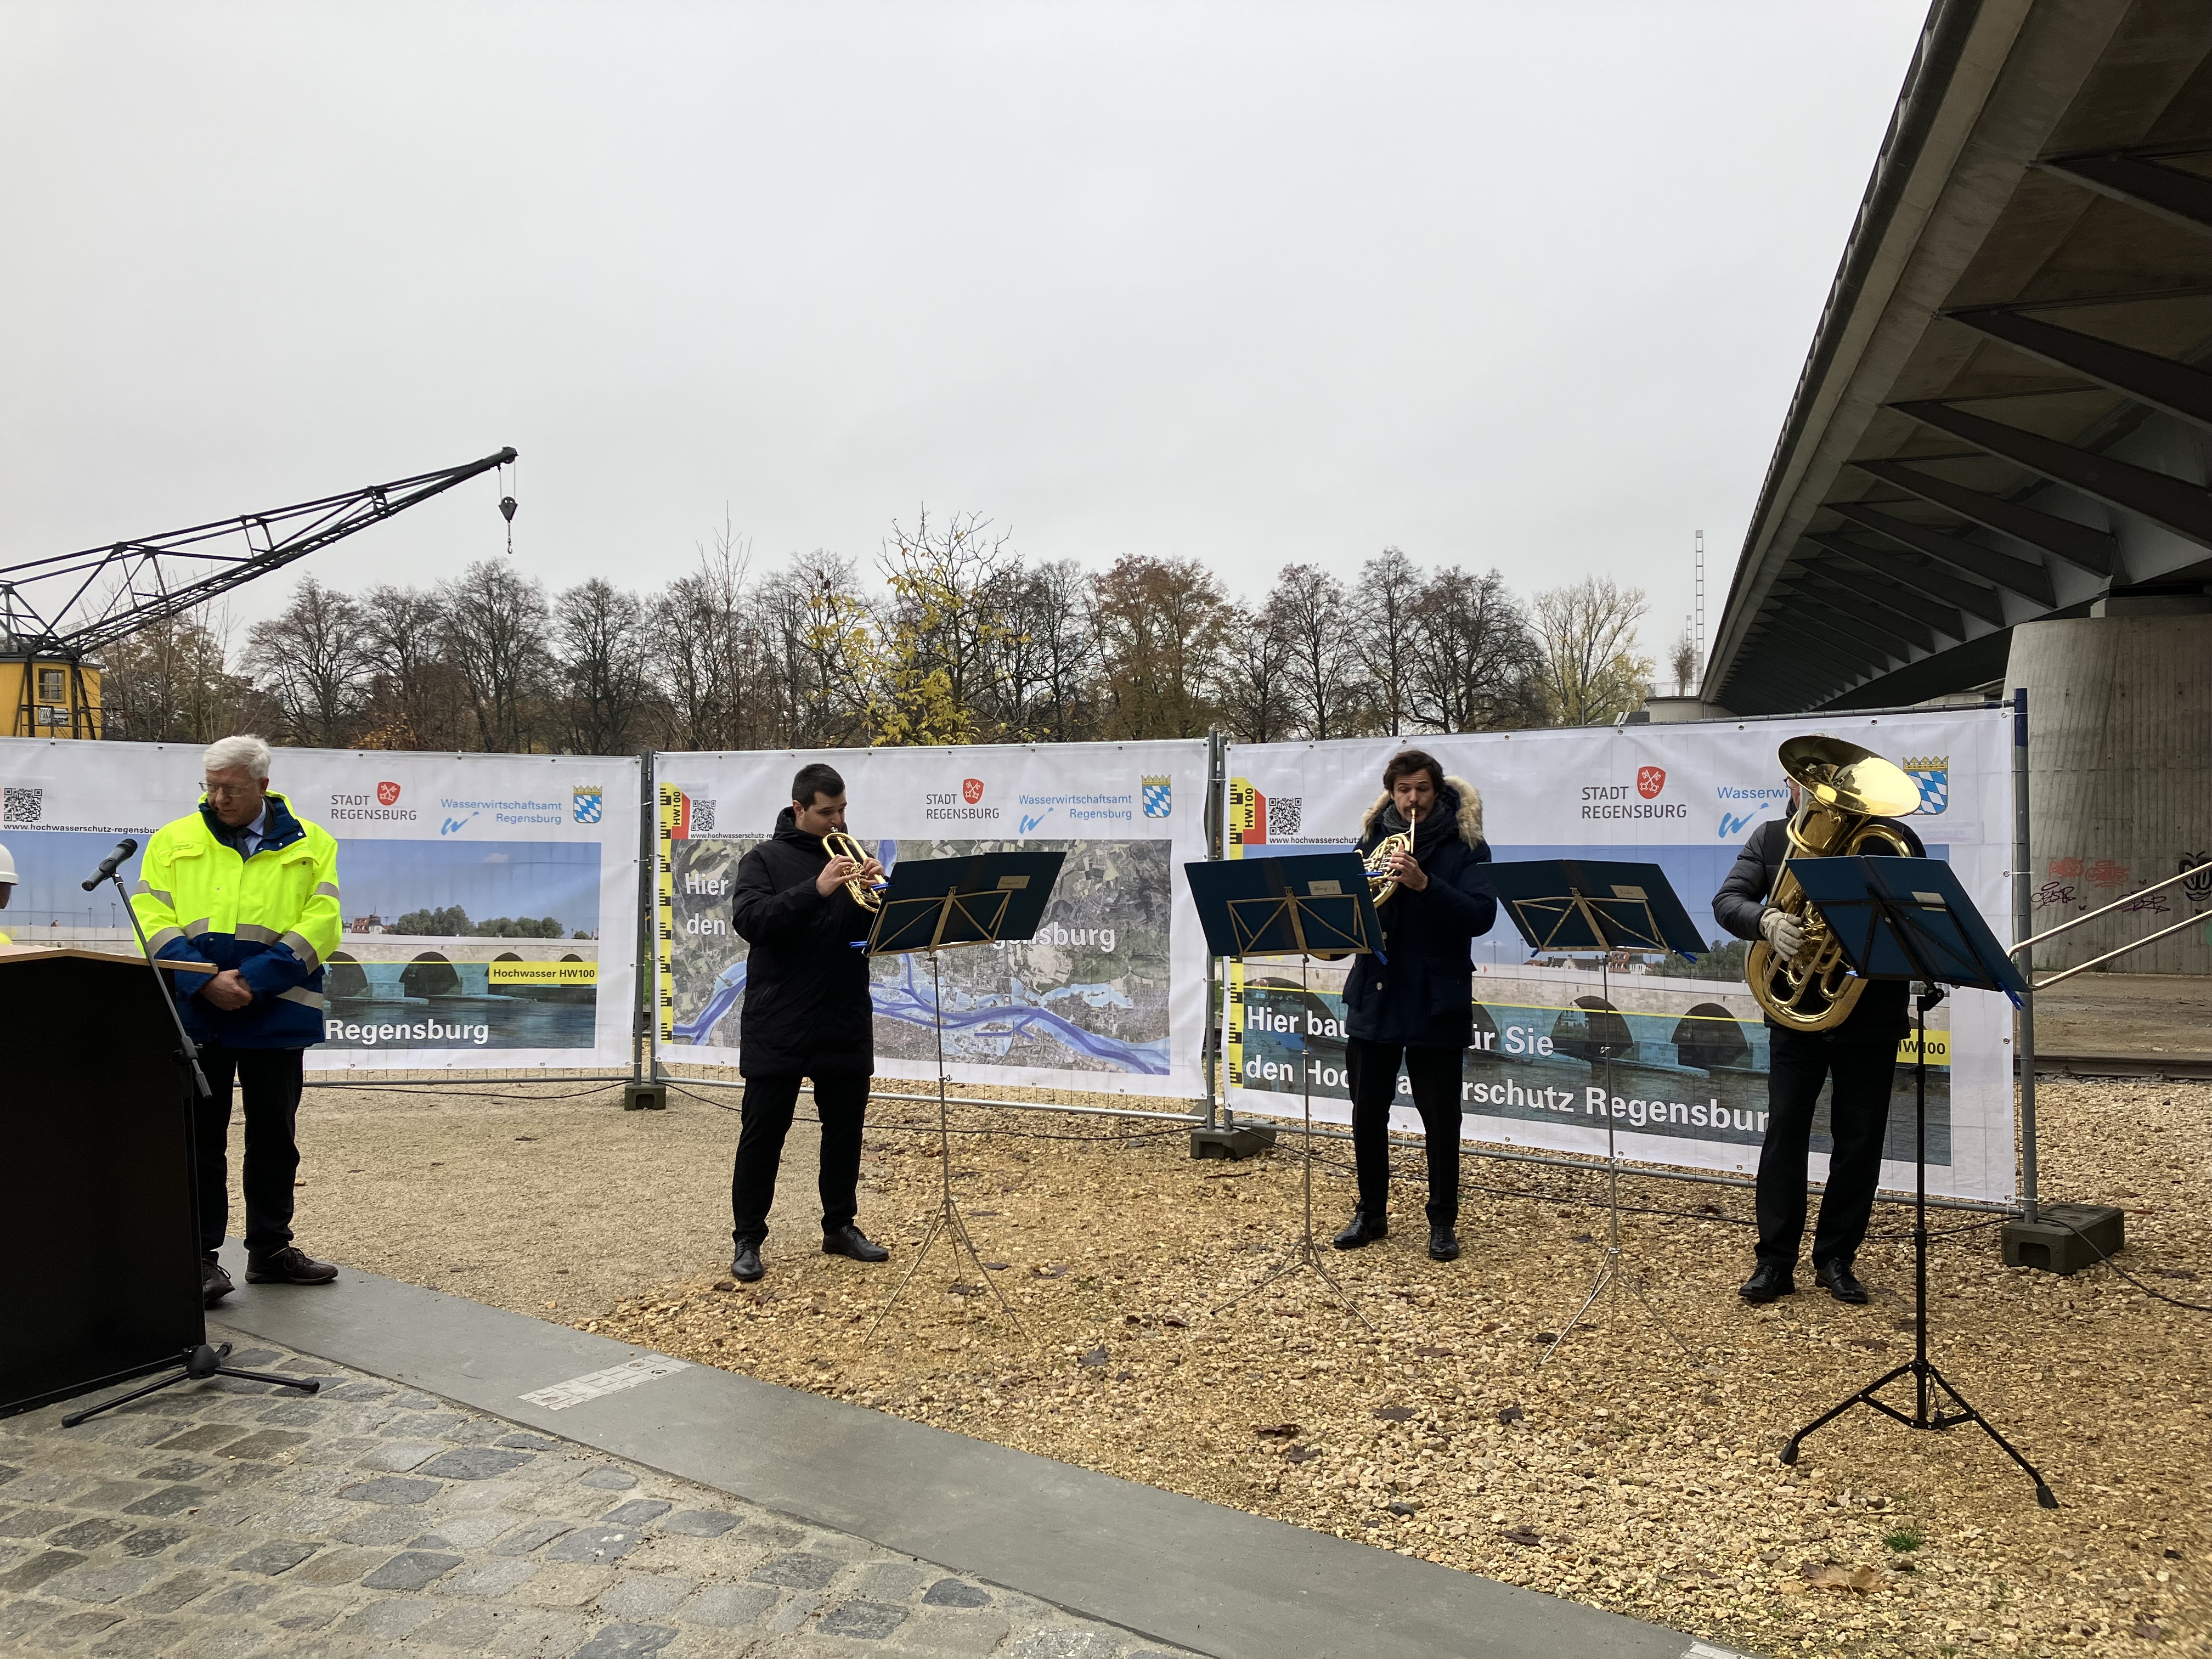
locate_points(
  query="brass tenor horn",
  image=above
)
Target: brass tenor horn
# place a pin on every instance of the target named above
(868, 895)
(1842, 790)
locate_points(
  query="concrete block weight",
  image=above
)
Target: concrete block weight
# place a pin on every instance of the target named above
(2064, 1238)
(1242, 1141)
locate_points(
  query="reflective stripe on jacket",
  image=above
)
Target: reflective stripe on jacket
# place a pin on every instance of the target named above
(274, 917)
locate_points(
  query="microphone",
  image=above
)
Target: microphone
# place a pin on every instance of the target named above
(124, 850)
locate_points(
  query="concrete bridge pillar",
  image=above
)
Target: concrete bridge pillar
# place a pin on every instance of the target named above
(2119, 725)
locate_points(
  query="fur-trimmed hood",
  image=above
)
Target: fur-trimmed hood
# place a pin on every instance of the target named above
(1470, 810)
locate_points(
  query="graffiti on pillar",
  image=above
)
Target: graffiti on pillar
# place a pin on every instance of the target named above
(2107, 872)
(2198, 888)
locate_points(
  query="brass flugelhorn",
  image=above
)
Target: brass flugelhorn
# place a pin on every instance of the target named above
(1842, 789)
(868, 895)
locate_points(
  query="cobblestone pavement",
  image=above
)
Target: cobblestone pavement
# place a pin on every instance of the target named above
(231, 1518)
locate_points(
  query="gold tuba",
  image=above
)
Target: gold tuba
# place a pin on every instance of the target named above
(1381, 884)
(868, 895)
(1842, 789)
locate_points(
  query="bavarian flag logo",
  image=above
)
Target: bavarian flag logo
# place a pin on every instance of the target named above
(586, 807)
(1159, 798)
(1933, 774)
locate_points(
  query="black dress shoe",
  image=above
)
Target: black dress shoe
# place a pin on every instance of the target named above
(290, 1266)
(1838, 1279)
(1362, 1230)
(1769, 1281)
(1444, 1244)
(214, 1284)
(852, 1242)
(746, 1264)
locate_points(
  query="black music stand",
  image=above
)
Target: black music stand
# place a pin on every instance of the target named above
(1909, 919)
(1581, 907)
(929, 904)
(1316, 904)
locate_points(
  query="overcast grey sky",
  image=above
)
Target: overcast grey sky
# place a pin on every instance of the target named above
(1504, 284)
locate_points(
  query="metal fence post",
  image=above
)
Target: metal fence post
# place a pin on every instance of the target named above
(1217, 792)
(2023, 922)
(644, 1092)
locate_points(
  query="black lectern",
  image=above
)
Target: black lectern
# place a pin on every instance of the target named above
(97, 1127)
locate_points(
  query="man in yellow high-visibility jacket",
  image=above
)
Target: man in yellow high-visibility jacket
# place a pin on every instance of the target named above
(245, 886)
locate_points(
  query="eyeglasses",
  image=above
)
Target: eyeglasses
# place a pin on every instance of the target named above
(225, 791)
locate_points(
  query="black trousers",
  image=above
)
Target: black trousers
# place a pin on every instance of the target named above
(269, 1080)
(843, 1101)
(1372, 1069)
(1858, 1114)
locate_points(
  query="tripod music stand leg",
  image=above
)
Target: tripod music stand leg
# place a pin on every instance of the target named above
(196, 1366)
(1305, 1255)
(899, 1290)
(1966, 1414)
(1597, 1288)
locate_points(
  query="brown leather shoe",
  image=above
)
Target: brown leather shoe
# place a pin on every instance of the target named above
(290, 1266)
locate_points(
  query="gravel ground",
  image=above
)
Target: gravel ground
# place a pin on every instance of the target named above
(1619, 1475)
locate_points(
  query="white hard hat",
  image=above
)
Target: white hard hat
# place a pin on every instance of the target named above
(6, 867)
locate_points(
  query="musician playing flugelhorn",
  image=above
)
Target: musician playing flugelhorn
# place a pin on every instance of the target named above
(807, 1014)
(1822, 1021)
(1417, 1009)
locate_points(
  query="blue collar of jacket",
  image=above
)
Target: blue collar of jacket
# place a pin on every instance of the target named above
(278, 827)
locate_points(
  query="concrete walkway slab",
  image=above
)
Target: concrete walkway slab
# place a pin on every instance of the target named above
(1175, 1569)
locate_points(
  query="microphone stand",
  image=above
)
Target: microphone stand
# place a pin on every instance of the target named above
(202, 1359)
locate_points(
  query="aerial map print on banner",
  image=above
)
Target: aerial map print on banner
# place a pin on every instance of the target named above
(1089, 997)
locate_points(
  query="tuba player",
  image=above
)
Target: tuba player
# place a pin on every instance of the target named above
(1860, 1057)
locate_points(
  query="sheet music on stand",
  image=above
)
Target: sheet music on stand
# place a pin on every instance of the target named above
(1598, 907)
(931, 905)
(1315, 905)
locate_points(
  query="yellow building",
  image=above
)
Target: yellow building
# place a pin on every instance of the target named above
(46, 696)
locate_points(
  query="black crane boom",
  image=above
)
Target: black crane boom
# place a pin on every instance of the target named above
(94, 598)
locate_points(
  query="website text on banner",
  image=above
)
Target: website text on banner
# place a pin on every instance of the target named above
(1686, 1044)
(1110, 995)
(490, 900)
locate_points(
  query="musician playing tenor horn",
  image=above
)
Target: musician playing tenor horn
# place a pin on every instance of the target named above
(807, 1014)
(1417, 1009)
(1823, 1024)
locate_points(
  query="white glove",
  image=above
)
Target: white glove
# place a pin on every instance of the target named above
(1783, 932)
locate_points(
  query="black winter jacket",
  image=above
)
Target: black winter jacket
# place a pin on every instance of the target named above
(807, 1010)
(1882, 1015)
(1423, 996)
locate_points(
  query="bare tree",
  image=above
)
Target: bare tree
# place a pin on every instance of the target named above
(313, 659)
(1256, 701)
(708, 648)
(943, 633)
(1311, 612)
(170, 682)
(1384, 601)
(603, 648)
(818, 636)
(415, 698)
(493, 632)
(1475, 666)
(1050, 683)
(1592, 671)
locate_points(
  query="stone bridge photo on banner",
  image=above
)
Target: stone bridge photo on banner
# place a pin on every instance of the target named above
(490, 901)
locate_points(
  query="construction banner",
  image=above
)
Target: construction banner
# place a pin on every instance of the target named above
(1109, 996)
(1671, 1053)
(490, 900)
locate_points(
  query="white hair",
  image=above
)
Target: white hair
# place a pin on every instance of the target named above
(247, 750)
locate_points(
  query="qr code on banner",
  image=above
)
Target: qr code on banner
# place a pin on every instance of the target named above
(1286, 815)
(702, 817)
(22, 805)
